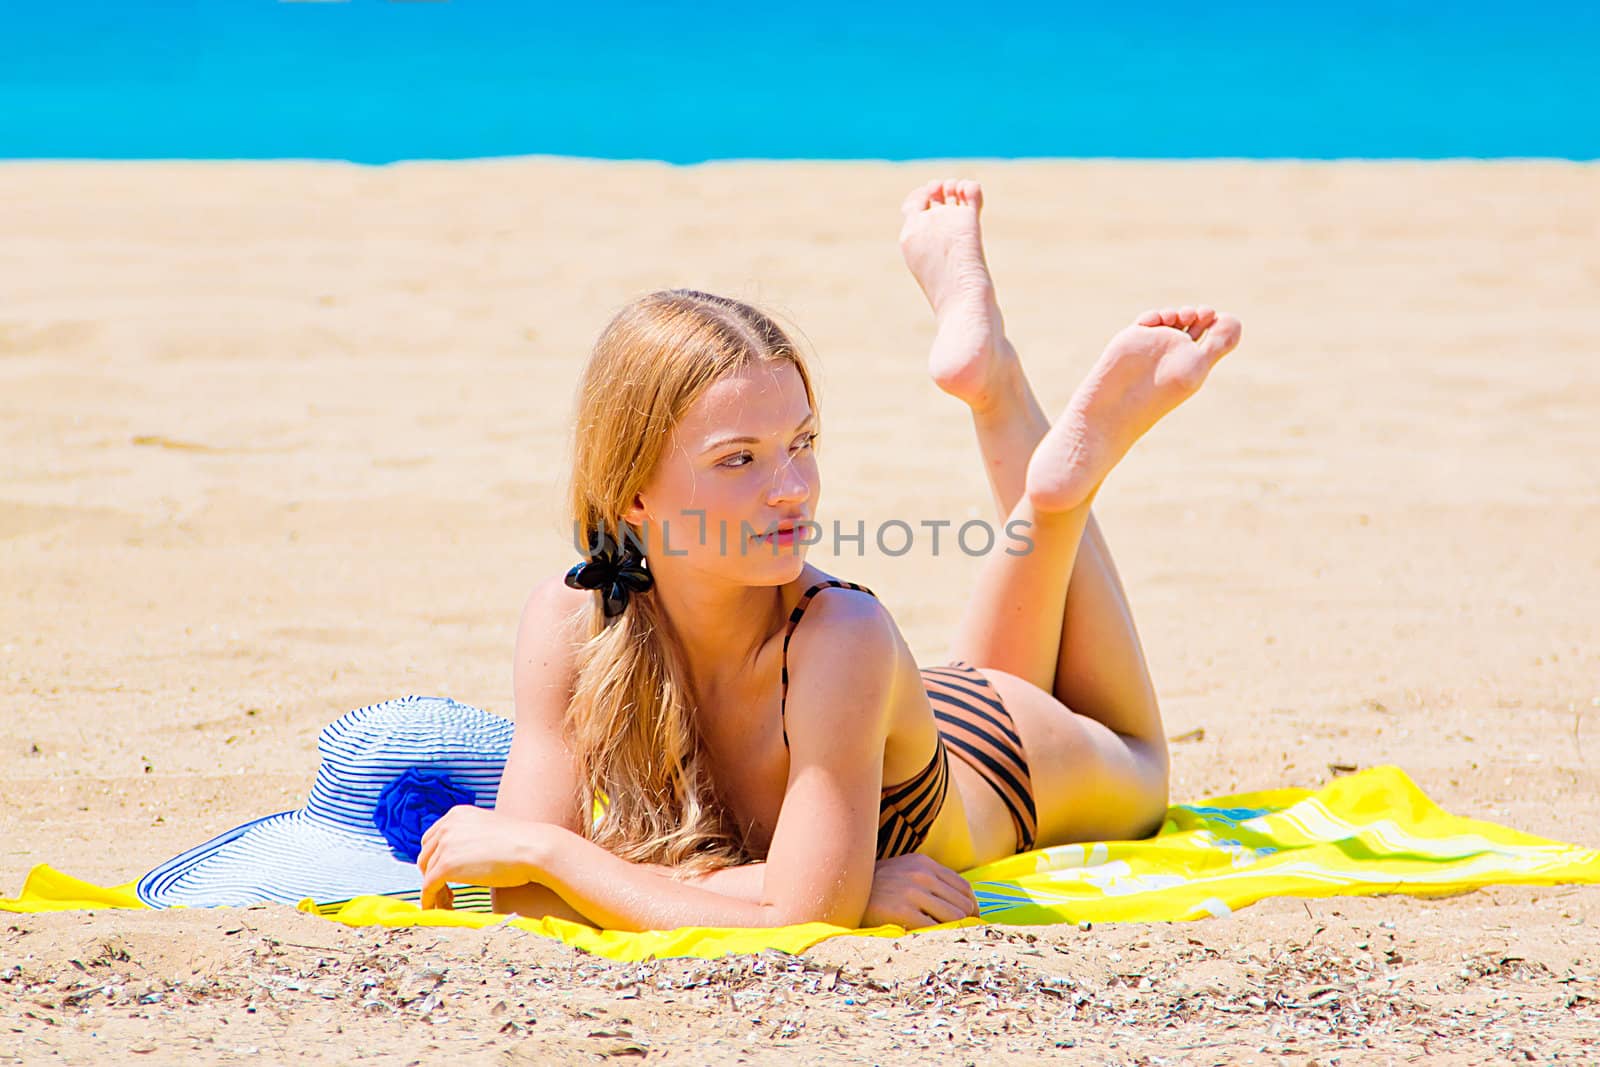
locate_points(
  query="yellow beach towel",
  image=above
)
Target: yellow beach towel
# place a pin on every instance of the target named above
(1368, 833)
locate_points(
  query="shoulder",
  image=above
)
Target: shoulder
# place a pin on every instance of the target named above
(841, 609)
(838, 617)
(549, 634)
(844, 657)
(554, 607)
(555, 602)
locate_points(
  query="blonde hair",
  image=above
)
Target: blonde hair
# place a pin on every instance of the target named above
(632, 720)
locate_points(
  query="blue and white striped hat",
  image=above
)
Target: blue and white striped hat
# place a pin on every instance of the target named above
(387, 772)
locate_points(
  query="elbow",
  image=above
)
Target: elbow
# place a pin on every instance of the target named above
(845, 918)
(840, 914)
(535, 901)
(834, 914)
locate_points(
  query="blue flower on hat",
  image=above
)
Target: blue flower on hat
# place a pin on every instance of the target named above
(412, 803)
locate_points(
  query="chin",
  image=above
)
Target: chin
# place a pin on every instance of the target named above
(778, 569)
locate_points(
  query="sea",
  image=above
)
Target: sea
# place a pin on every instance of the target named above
(376, 81)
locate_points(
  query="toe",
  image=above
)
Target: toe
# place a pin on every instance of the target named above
(1169, 317)
(948, 190)
(1149, 318)
(1186, 317)
(1204, 317)
(970, 192)
(1222, 338)
(917, 199)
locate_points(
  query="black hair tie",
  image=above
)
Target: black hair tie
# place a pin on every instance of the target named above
(614, 571)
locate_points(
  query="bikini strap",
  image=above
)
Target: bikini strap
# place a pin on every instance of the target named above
(794, 617)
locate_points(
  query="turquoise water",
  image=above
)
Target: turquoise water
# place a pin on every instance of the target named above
(380, 80)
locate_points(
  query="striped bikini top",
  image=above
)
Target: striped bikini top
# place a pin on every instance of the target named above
(905, 811)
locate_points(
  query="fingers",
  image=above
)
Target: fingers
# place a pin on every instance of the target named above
(433, 890)
(432, 879)
(912, 890)
(936, 878)
(940, 905)
(963, 888)
(953, 904)
(430, 845)
(431, 838)
(965, 893)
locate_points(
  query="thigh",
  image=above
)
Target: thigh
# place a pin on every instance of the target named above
(1089, 782)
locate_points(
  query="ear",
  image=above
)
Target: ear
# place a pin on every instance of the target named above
(636, 515)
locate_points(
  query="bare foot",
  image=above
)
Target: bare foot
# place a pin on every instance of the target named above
(1147, 370)
(942, 244)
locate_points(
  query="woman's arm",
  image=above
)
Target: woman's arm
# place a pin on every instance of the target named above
(909, 890)
(619, 895)
(821, 862)
(549, 861)
(742, 883)
(540, 780)
(532, 901)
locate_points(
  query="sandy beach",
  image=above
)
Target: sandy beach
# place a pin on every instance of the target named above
(285, 439)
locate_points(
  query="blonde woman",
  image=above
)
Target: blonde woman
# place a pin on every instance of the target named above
(769, 751)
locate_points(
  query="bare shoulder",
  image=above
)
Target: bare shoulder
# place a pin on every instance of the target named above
(840, 609)
(541, 777)
(549, 634)
(552, 602)
(846, 641)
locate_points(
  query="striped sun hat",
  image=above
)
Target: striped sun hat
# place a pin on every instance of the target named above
(387, 772)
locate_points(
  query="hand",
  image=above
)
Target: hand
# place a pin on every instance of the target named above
(476, 846)
(913, 890)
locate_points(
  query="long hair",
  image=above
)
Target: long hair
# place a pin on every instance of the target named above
(632, 719)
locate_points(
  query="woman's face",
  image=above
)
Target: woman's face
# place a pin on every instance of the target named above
(740, 462)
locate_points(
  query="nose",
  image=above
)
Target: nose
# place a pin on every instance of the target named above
(789, 482)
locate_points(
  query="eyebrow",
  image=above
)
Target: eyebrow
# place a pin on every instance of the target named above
(726, 441)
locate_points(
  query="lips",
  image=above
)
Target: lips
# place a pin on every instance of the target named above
(783, 527)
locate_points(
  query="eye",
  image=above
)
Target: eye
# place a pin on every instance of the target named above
(808, 441)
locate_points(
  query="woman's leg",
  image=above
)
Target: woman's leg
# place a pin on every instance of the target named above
(1056, 615)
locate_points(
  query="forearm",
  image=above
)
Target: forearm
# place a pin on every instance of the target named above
(619, 895)
(534, 901)
(744, 882)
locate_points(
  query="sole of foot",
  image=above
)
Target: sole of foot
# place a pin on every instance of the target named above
(942, 243)
(1146, 370)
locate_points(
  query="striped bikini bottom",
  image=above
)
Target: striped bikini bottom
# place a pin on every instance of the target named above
(973, 723)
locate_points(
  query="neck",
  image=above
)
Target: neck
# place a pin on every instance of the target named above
(721, 626)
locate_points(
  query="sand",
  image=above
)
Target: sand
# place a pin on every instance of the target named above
(285, 439)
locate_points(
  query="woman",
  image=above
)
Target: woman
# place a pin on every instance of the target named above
(768, 749)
